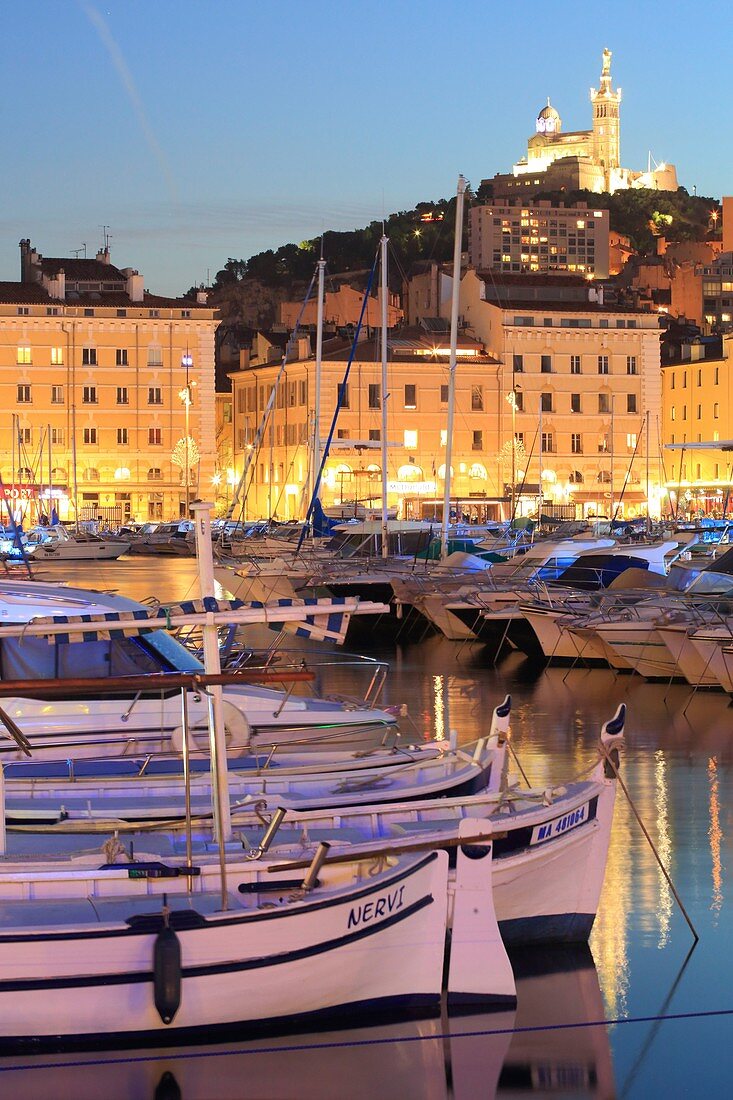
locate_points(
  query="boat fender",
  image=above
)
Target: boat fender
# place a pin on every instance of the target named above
(167, 970)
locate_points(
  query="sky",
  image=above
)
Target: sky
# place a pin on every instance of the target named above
(197, 130)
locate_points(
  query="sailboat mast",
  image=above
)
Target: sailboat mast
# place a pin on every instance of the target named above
(385, 532)
(316, 460)
(452, 362)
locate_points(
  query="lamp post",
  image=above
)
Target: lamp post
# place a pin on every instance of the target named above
(187, 399)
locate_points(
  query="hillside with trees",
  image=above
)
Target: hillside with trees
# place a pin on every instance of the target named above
(249, 291)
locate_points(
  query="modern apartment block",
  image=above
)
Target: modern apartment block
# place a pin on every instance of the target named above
(514, 237)
(100, 380)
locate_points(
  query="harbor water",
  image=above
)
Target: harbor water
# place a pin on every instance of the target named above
(643, 1012)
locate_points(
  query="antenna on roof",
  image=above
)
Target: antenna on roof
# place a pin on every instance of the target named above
(106, 237)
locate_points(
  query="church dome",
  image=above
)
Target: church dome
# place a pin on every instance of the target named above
(548, 120)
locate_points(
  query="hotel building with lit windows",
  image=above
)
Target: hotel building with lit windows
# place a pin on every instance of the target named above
(99, 379)
(512, 236)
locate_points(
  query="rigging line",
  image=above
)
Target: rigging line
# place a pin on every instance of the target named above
(629, 468)
(439, 1036)
(260, 434)
(339, 399)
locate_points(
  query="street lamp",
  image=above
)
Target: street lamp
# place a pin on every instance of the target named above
(187, 398)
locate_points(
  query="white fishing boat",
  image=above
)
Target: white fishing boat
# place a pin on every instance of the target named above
(129, 967)
(549, 851)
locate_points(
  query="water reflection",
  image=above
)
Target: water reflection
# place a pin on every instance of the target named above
(556, 1042)
(677, 767)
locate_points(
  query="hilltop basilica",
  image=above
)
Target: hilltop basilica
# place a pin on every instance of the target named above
(580, 159)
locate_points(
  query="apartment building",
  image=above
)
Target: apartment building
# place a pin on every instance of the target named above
(578, 388)
(280, 475)
(512, 236)
(102, 382)
(696, 401)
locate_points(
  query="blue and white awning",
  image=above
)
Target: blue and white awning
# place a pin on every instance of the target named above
(319, 618)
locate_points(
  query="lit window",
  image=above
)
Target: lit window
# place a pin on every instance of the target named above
(57, 356)
(24, 354)
(444, 437)
(410, 440)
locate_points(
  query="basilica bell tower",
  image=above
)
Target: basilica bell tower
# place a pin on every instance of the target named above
(606, 123)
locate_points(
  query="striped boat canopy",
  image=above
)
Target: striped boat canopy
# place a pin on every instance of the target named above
(317, 618)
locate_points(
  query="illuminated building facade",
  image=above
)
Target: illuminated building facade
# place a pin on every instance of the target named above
(578, 388)
(698, 409)
(417, 427)
(512, 236)
(99, 379)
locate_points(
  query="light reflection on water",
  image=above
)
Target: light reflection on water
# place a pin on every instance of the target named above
(677, 767)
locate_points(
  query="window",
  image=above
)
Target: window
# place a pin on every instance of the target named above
(603, 364)
(684, 379)
(603, 445)
(89, 395)
(23, 394)
(155, 437)
(575, 364)
(671, 384)
(672, 413)
(57, 395)
(631, 364)
(517, 364)
(575, 402)
(122, 396)
(26, 436)
(410, 440)
(410, 396)
(375, 392)
(155, 474)
(546, 402)
(185, 313)
(90, 437)
(604, 477)
(546, 364)
(444, 437)
(343, 395)
(23, 311)
(24, 354)
(122, 437)
(122, 313)
(716, 378)
(631, 441)
(478, 441)
(519, 401)
(342, 433)
(57, 436)
(121, 357)
(375, 434)
(89, 357)
(155, 395)
(155, 355)
(576, 478)
(57, 357)
(548, 445)
(631, 402)
(90, 474)
(88, 312)
(302, 391)
(699, 413)
(576, 443)
(477, 398)
(444, 395)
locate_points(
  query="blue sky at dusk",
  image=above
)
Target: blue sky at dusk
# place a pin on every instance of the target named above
(202, 130)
